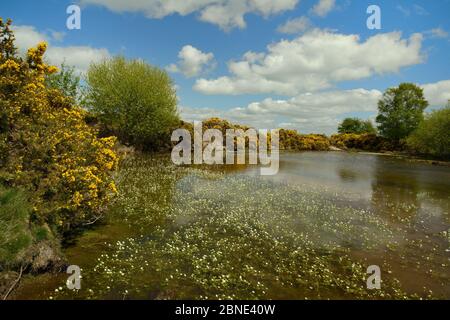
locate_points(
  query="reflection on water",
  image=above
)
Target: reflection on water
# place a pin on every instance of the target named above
(390, 185)
(363, 174)
(309, 231)
(412, 196)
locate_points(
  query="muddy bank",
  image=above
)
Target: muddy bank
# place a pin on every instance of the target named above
(42, 257)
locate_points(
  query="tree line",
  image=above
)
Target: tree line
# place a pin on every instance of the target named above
(402, 122)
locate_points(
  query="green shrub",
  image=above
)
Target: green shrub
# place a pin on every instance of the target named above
(433, 135)
(133, 100)
(355, 125)
(67, 81)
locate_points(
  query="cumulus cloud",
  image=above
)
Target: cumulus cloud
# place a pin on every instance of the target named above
(197, 114)
(296, 25)
(312, 112)
(317, 112)
(78, 56)
(314, 61)
(27, 37)
(227, 14)
(58, 36)
(437, 94)
(192, 62)
(323, 7)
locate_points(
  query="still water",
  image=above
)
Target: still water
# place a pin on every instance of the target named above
(309, 232)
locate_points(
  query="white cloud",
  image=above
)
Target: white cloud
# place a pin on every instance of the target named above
(192, 62)
(78, 56)
(312, 112)
(198, 114)
(58, 36)
(314, 61)
(318, 112)
(323, 7)
(437, 33)
(296, 25)
(437, 94)
(227, 14)
(27, 37)
(418, 10)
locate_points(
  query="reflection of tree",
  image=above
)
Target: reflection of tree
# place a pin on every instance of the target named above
(418, 196)
(394, 192)
(347, 175)
(355, 171)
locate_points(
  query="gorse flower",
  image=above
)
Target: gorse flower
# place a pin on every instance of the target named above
(10, 65)
(46, 145)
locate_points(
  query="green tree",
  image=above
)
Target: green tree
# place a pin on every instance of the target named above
(433, 134)
(67, 81)
(355, 125)
(134, 100)
(401, 111)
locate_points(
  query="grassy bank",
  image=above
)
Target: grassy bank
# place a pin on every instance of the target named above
(15, 234)
(24, 245)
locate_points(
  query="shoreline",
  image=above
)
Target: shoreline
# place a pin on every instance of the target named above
(403, 156)
(444, 163)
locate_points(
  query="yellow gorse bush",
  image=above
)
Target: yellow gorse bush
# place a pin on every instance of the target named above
(290, 140)
(45, 145)
(365, 141)
(293, 141)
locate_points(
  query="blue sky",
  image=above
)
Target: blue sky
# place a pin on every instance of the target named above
(308, 75)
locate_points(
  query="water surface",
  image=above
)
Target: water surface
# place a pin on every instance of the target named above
(310, 232)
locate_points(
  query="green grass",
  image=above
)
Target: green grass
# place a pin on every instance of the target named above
(15, 235)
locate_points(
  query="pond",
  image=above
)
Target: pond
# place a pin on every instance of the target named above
(309, 232)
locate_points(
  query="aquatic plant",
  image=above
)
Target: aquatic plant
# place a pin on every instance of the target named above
(207, 235)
